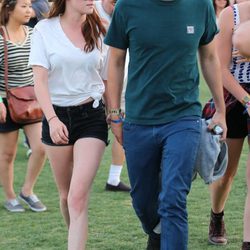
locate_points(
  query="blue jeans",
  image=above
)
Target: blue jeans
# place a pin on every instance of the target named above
(160, 162)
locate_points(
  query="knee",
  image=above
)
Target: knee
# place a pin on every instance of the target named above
(7, 156)
(38, 150)
(77, 202)
(64, 199)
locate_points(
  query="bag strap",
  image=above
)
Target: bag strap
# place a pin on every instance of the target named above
(5, 61)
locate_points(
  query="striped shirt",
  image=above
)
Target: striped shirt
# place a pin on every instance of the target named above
(19, 73)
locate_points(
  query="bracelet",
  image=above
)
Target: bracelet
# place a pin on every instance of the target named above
(120, 120)
(246, 100)
(114, 111)
(51, 118)
(1, 99)
(247, 105)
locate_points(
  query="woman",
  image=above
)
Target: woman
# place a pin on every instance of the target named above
(219, 5)
(13, 15)
(236, 80)
(69, 86)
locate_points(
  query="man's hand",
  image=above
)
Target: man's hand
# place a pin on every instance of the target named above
(219, 120)
(117, 131)
(116, 122)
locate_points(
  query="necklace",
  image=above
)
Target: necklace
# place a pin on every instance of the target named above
(19, 43)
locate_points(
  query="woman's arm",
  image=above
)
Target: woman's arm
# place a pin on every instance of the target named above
(42, 92)
(224, 46)
(58, 131)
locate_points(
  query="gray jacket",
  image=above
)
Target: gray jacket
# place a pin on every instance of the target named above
(212, 158)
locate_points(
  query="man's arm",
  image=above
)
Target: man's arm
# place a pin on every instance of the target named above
(116, 63)
(211, 70)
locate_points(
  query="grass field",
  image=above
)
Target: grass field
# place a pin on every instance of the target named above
(112, 222)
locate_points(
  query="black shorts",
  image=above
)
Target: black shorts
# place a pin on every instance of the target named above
(82, 121)
(9, 125)
(238, 122)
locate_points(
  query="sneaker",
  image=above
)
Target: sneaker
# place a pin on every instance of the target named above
(121, 187)
(157, 228)
(245, 246)
(28, 153)
(217, 232)
(14, 206)
(153, 243)
(33, 202)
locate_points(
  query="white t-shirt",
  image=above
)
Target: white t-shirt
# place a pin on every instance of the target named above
(73, 75)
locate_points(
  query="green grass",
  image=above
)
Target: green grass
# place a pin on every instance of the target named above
(112, 222)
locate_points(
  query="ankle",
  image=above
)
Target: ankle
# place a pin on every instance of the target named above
(217, 215)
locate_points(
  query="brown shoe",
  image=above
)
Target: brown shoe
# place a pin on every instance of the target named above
(217, 232)
(245, 246)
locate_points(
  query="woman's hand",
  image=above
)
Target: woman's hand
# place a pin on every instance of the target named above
(3, 113)
(58, 131)
(242, 59)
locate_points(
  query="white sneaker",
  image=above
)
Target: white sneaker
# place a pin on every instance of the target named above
(14, 206)
(28, 153)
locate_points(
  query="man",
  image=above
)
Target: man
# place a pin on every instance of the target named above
(105, 9)
(162, 127)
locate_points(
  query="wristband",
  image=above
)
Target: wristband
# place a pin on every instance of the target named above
(120, 120)
(1, 99)
(51, 118)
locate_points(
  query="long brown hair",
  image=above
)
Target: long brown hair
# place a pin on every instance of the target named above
(7, 6)
(215, 7)
(92, 28)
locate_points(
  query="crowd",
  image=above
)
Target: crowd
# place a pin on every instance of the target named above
(84, 59)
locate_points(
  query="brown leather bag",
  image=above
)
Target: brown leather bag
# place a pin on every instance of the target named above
(23, 105)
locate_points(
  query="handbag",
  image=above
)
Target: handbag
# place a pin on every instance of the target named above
(23, 105)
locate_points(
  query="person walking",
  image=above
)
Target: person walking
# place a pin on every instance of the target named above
(162, 126)
(105, 9)
(40, 9)
(13, 16)
(236, 81)
(69, 83)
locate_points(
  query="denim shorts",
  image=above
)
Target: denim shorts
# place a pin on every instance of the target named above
(9, 125)
(82, 121)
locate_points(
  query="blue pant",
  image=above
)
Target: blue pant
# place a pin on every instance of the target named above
(160, 163)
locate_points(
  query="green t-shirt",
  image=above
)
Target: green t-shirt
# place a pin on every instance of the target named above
(163, 39)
